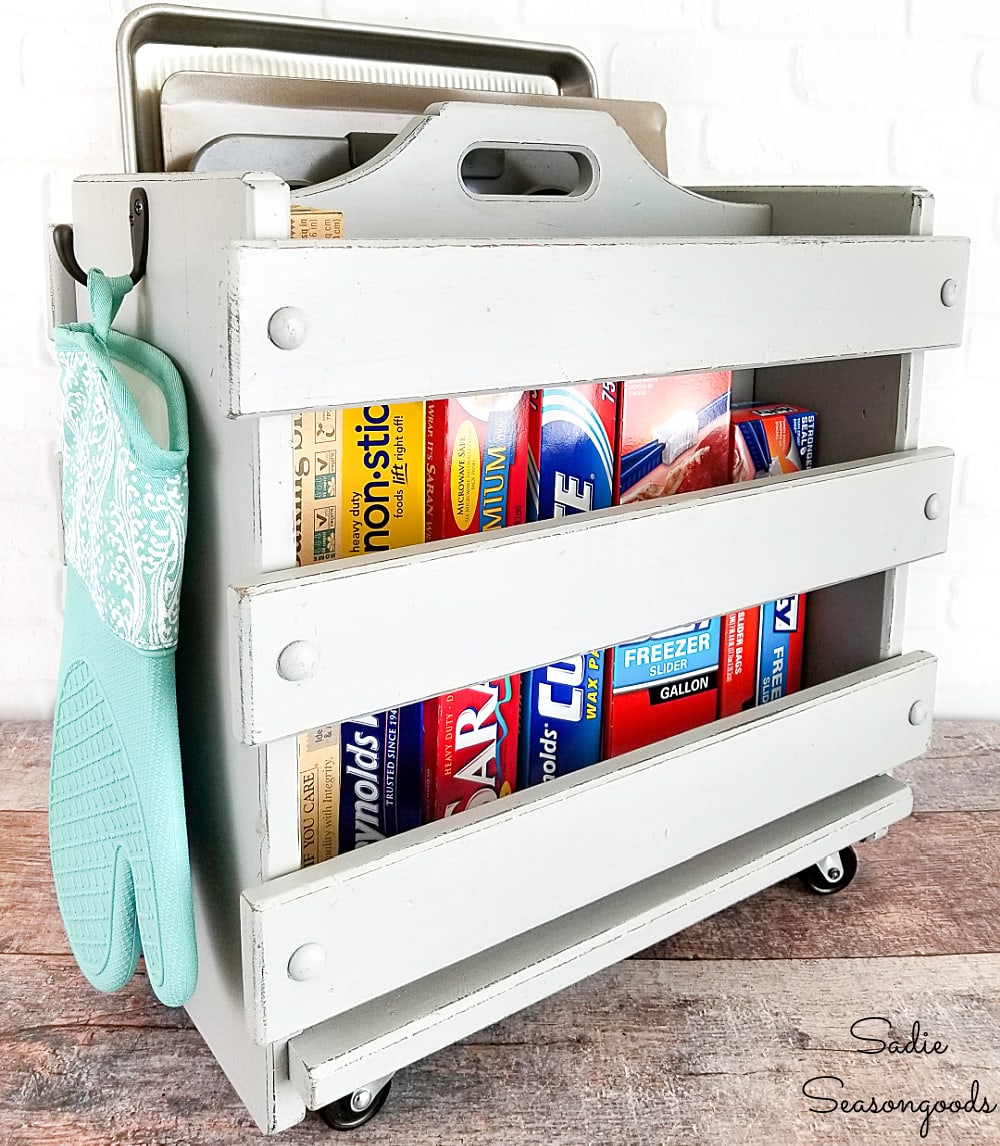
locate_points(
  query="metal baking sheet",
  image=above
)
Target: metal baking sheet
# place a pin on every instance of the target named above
(307, 130)
(160, 39)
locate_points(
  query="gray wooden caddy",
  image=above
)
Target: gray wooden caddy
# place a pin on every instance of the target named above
(317, 985)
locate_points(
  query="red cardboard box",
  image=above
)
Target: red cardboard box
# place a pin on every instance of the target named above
(661, 686)
(477, 464)
(471, 736)
(673, 435)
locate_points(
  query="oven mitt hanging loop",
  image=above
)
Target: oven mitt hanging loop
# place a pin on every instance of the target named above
(116, 804)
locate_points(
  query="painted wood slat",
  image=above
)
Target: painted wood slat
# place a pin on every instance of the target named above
(434, 892)
(838, 523)
(416, 190)
(334, 1057)
(959, 772)
(509, 315)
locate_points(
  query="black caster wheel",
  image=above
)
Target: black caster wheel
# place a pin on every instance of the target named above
(825, 882)
(344, 1114)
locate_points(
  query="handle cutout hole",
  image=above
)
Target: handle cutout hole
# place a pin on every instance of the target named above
(514, 172)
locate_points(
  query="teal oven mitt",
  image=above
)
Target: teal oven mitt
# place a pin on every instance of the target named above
(116, 805)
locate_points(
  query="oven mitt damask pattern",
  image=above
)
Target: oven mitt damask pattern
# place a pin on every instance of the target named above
(116, 805)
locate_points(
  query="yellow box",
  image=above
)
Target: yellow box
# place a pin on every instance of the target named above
(359, 480)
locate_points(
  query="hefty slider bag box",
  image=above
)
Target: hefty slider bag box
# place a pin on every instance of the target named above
(358, 479)
(762, 646)
(761, 654)
(477, 480)
(662, 686)
(570, 470)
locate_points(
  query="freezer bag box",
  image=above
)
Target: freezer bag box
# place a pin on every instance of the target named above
(761, 654)
(571, 440)
(561, 725)
(738, 670)
(381, 787)
(762, 647)
(771, 440)
(673, 435)
(470, 747)
(779, 662)
(662, 686)
(571, 449)
(477, 464)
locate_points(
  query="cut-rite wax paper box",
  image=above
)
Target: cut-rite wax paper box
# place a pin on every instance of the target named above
(571, 449)
(359, 488)
(477, 481)
(673, 437)
(762, 646)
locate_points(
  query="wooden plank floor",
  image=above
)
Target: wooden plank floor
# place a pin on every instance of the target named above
(706, 1038)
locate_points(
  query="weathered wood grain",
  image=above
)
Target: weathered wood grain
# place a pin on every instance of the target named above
(25, 746)
(931, 887)
(29, 915)
(645, 1053)
(959, 772)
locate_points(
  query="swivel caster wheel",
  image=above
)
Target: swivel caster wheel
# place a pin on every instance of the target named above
(354, 1110)
(831, 874)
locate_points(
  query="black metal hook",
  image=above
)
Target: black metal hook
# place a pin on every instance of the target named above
(138, 221)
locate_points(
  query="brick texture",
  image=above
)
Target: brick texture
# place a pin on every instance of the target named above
(755, 90)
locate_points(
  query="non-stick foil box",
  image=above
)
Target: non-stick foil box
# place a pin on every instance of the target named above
(571, 432)
(762, 645)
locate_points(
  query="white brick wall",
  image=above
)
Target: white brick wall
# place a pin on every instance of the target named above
(757, 91)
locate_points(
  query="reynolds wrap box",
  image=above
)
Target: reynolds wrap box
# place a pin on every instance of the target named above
(359, 488)
(673, 435)
(470, 747)
(477, 480)
(477, 464)
(571, 432)
(762, 645)
(380, 779)
(661, 686)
